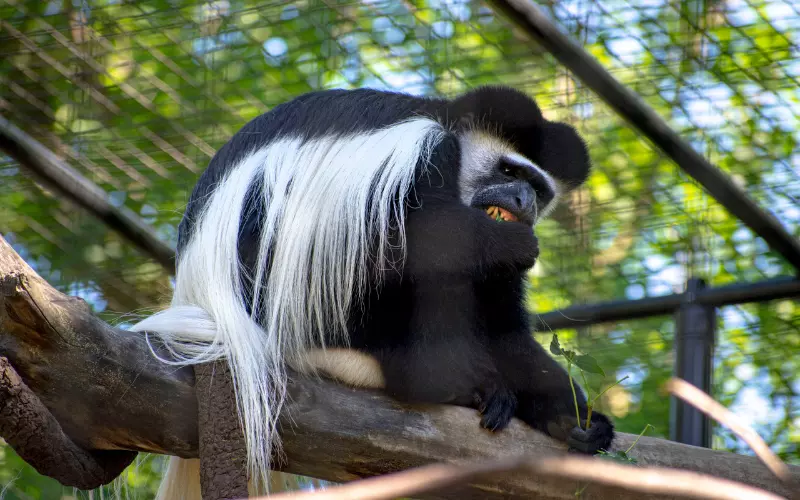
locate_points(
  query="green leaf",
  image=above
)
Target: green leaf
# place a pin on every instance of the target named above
(588, 364)
(555, 347)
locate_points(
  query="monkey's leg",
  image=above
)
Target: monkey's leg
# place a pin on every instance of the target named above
(458, 372)
(347, 366)
(545, 399)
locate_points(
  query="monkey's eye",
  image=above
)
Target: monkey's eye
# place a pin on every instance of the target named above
(508, 170)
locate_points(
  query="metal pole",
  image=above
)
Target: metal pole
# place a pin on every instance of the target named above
(694, 352)
(579, 316)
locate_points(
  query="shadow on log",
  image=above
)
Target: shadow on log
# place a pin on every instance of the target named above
(105, 391)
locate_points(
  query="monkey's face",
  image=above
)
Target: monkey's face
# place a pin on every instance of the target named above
(500, 159)
(503, 183)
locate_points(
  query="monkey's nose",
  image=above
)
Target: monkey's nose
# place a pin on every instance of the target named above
(523, 196)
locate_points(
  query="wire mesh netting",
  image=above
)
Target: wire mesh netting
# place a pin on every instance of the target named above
(137, 95)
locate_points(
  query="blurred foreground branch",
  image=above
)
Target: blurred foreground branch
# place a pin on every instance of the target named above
(100, 389)
(704, 403)
(608, 480)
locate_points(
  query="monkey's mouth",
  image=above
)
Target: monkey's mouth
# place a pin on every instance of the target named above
(506, 205)
(501, 214)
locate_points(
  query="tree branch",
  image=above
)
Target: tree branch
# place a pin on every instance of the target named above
(30, 429)
(704, 403)
(222, 448)
(70, 184)
(107, 392)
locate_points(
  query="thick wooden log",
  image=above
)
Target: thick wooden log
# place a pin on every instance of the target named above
(107, 392)
(222, 449)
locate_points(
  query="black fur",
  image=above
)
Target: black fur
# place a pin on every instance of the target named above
(451, 327)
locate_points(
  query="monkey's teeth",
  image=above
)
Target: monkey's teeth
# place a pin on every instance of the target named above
(499, 214)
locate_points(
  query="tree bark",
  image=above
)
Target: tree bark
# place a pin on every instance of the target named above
(105, 391)
(222, 449)
(36, 435)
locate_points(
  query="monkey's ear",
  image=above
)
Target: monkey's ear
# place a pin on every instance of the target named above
(562, 152)
(517, 118)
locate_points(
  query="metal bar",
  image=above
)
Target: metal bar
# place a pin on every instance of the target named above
(694, 355)
(527, 16)
(59, 176)
(621, 310)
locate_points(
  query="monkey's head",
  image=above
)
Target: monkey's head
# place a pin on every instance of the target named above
(512, 158)
(499, 159)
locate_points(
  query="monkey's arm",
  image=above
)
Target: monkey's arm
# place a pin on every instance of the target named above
(545, 399)
(459, 374)
(425, 339)
(437, 358)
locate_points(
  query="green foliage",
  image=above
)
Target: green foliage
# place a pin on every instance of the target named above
(588, 364)
(21, 482)
(585, 364)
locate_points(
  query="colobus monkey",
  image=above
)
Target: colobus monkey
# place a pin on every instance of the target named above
(381, 239)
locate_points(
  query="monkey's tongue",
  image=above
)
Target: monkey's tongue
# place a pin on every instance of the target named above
(499, 214)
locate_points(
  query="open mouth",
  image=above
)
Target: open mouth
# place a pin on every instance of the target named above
(501, 214)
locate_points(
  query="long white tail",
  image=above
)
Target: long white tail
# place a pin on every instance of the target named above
(325, 202)
(181, 481)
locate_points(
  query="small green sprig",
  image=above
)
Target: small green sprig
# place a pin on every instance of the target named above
(585, 363)
(618, 456)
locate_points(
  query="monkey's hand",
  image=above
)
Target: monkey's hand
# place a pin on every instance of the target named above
(457, 239)
(506, 244)
(580, 439)
(546, 401)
